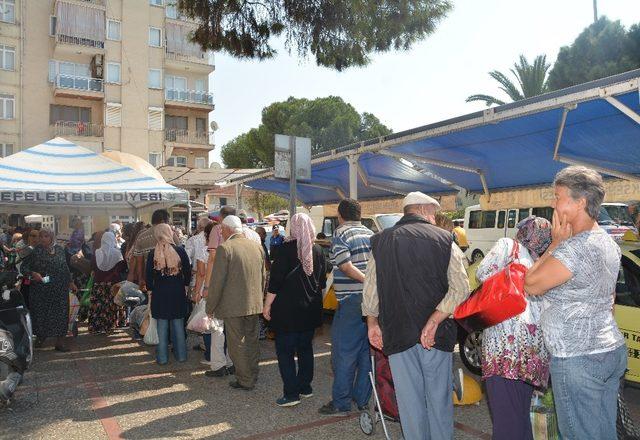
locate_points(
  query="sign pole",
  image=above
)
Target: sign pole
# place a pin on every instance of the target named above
(292, 177)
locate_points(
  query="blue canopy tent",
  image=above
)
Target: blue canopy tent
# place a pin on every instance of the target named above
(511, 146)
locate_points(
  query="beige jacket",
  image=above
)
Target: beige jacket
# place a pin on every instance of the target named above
(237, 279)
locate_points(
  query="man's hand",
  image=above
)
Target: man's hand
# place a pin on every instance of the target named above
(428, 334)
(374, 332)
(266, 312)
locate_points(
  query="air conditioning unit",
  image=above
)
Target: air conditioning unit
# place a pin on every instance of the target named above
(97, 66)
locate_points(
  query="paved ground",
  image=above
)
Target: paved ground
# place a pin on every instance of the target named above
(110, 387)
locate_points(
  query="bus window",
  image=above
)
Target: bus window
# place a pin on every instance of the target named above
(488, 219)
(474, 219)
(511, 222)
(368, 223)
(501, 217)
(522, 214)
(327, 227)
(545, 212)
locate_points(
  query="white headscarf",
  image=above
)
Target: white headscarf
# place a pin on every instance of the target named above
(108, 255)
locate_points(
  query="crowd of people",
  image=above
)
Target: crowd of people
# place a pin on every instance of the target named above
(396, 291)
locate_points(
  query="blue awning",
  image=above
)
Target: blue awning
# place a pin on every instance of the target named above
(514, 145)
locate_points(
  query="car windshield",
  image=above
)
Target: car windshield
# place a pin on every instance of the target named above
(388, 220)
(619, 214)
(604, 218)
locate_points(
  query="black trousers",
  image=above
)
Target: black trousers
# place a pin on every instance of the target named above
(288, 345)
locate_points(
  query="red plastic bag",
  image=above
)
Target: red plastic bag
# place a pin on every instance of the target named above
(500, 297)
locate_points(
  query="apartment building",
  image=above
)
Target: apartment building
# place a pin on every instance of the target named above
(107, 74)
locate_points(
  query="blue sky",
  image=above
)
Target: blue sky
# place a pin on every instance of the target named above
(427, 84)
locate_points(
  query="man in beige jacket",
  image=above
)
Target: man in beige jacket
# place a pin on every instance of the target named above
(235, 295)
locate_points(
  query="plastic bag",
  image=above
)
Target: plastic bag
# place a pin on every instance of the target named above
(74, 307)
(127, 289)
(151, 335)
(544, 422)
(199, 321)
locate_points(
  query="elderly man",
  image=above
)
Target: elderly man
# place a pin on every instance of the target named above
(415, 280)
(235, 295)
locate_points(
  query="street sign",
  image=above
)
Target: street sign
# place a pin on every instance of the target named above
(282, 159)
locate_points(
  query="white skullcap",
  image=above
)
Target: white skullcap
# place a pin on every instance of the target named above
(418, 198)
(232, 222)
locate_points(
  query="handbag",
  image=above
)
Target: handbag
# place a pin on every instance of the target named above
(499, 298)
(544, 422)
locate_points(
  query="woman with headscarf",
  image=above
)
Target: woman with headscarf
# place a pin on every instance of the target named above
(294, 306)
(168, 276)
(108, 269)
(49, 291)
(514, 357)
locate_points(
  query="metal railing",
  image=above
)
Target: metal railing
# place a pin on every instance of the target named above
(79, 83)
(79, 41)
(78, 128)
(192, 96)
(183, 136)
(199, 58)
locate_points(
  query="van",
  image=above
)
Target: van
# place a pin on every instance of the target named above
(375, 222)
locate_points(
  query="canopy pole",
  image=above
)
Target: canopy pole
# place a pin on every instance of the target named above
(563, 122)
(353, 176)
(623, 108)
(189, 217)
(603, 170)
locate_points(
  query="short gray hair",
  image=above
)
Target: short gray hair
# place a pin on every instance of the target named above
(583, 182)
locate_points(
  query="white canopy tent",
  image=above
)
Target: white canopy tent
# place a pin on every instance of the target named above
(60, 177)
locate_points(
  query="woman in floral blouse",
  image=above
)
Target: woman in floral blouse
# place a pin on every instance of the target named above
(514, 358)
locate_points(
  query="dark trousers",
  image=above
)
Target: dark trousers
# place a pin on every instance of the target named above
(288, 346)
(244, 349)
(509, 402)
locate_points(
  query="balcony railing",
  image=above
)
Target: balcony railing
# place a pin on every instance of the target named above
(79, 83)
(199, 58)
(70, 39)
(182, 136)
(191, 96)
(78, 128)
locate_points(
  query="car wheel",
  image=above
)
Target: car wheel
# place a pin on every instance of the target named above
(470, 345)
(476, 256)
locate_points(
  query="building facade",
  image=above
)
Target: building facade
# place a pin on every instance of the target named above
(106, 74)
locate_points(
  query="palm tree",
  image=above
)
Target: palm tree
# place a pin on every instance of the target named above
(532, 80)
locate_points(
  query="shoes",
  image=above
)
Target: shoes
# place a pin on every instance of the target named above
(330, 410)
(306, 395)
(458, 384)
(238, 386)
(231, 370)
(285, 402)
(205, 362)
(221, 372)
(364, 407)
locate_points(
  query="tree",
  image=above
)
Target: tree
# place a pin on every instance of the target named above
(265, 203)
(339, 33)
(532, 81)
(329, 122)
(602, 49)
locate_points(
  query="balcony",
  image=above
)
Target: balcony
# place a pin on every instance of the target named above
(79, 87)
(189, 99)
(70, 129)
(79, 27)
(180, 137)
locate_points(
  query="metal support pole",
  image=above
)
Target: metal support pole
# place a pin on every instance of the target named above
(353, 176)
(563, 122)
(237, 187)
(292, 178)
(189, 217)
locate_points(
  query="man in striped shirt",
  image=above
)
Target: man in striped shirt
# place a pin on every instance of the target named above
(350, 252)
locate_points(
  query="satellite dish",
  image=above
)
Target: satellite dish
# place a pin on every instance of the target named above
(214, 126)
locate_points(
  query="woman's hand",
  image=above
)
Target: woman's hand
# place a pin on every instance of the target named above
(73, 287)
(266, 312)
(35, 276)
(560, 229)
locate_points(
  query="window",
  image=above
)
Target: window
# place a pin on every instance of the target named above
(155, 159)
(511, 219)
(7, 57)
(7, 106)
(522, 214)
(171, 10)
(368, 223)
(200, 85)
(474, 219)
(201, 162)
(113, 73)
(53, 21)
(177, 161)
(201, 125)
(6, 150)
(8, 11)
(155, 78)
(155, 118)
(113, 30)
(155, 2)
(501, 217)
(113, 114)
(175, 122)
(223, 201)
(628, 285)
(546, 212)
(155, 37)
(488, 219)
(68, 113)
(175, 82)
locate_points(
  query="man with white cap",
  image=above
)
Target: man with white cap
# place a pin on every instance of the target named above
(414, 281)
(235, 295)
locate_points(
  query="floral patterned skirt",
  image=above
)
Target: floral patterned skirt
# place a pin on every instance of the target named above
(104, 314)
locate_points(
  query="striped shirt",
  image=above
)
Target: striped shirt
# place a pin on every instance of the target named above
(350, 243)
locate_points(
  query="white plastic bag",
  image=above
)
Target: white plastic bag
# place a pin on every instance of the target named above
(151, 336)
(199, 321)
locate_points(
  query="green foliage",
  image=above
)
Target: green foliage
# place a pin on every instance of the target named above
(531, 81)
(339, 33)
(329, 122)
(605, 48)
(265, 203)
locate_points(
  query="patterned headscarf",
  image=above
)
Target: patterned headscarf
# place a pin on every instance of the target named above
(534, 233)
(303, 231)
(165, 257)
